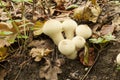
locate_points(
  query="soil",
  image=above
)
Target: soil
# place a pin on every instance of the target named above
(19, 66)
(22, 67)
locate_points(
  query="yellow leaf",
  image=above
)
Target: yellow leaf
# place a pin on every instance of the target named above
(37, 29)
(3, 53)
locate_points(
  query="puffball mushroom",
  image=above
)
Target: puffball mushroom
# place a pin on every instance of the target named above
(84, 31)
(72, 56)
(53, 29)
(79, 42)
(67, 48)
(118, 59)
(69, 27)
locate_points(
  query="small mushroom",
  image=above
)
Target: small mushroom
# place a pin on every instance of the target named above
(67, 47)
(53, 29)
(69, 27)
(79, 42)
(84, 31)
(118, 59)
(72, 56)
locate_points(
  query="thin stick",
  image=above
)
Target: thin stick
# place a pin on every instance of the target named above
(83, 78)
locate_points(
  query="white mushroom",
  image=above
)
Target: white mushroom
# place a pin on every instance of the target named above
(53, 29)
(79, 42)
(84, 31)
(69, 27)
(67, 47)
(72, 56)
(118, 59)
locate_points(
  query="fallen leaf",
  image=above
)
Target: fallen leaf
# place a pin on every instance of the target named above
(72, 6)
(87, 60)
(4, 16)
(3, 73)
(116, 22)
(107, 29)
(7, 34)
(3, 53)
(39, 53)
(37, 28)
(103, 39)
(60, 3)
(87, 12)
(49, 71)
(41, 44)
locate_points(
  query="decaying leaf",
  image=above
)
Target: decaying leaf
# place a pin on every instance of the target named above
(41, 44)
(72, 6)
(3, 73)
(39, 53)
(87, 57)
(3, 53)
(49, 71)
(103, 39)
(107, 29)
(4, 16)
(37, 29)
(7, 34)
(116, 22)
(87, 12)
(59, 2)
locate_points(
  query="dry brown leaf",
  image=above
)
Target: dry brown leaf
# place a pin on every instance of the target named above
(49, 72)
(39, 53)
(91, 57)
(107, 29)
(41, 44)
(3, 73)
(87, 12)
(4, 16)
(116, 22)
(60, 3)
(7, 34)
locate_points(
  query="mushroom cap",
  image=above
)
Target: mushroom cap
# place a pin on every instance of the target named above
(79, 42)
(66, 47)
(69, 24)
(69, 27)
(118, 59)
(52, 27)
(84, 31)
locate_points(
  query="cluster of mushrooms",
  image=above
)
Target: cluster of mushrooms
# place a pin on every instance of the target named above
(74, 37)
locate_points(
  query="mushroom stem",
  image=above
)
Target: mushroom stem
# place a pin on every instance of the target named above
(53, 29)
(57, 38)
(67, 48)
(72, 56)
(79, 42)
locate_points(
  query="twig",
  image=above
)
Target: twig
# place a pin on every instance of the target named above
(22, 65)
(83, 78)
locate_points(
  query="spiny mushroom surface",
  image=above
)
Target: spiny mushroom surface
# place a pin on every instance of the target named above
(84, 31)
(53, 29)
(69, 27)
